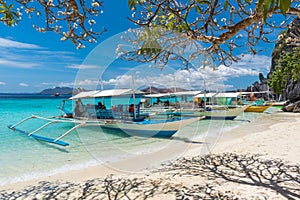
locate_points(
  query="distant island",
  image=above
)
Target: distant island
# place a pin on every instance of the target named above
(154, 90)
(72, 91)
(62, 91)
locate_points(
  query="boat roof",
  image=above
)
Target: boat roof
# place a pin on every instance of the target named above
(157, 95)
(172, 94)
(185, 93)
(228, 94)
(116, 92)
(205, 95)
(86, 94)
(219, 94)
(261, 92)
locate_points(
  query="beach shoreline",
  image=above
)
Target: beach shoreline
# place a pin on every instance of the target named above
(269, 137)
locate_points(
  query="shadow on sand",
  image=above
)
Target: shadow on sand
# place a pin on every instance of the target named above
(252, 170)
(273, 175)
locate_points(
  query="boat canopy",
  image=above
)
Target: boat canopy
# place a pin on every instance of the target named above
(157, 95)
(87, 94)
(173, 94)
(219, 95)
(228, 94)
(116, 92)
(208, 95)
(185, 93)
(261, 92)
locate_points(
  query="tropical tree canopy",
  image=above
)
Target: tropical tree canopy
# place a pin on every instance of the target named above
(72, 19)
(215, 23)
(288, 68)
(214, 28)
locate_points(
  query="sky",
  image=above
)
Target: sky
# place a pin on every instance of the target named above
(31, 61)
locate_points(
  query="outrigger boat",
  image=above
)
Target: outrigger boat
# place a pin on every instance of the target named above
(219, 106)
(222, 106)
(221, 113)
(257, 108)
(165, 104)
(145, 128)
(133, 124)
(255, 105)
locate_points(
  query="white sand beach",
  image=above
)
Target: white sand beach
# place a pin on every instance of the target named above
(258, 160)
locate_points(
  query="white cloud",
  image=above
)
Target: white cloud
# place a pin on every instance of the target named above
(83, 66)
(194, 79)
(256, 63)
(14, 44)
(23, 84)
(65, 84)
(87, 83)
(45, 83)
(24, 65)
(2, 83)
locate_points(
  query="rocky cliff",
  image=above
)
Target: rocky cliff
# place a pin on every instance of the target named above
(288, 41)
(261, 86)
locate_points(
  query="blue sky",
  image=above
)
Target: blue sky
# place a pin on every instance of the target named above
(31, 61)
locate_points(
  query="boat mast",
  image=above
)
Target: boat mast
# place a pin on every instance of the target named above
(175, 89)
(204, 95)
(102, 88)
(133, 96)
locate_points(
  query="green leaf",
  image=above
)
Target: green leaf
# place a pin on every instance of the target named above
(259, 6)
(203, 2)
(284, 5)
(185, 26)
(132, 4)
(150, 47)
(225, 4)
(198, 9)
(179, 28)
(266, 8)
(171, 16)
(11, 6)
(248, 1)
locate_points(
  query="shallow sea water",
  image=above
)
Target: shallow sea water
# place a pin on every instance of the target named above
(25, 158)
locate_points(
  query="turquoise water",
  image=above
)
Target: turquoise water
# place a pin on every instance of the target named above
(24, 158)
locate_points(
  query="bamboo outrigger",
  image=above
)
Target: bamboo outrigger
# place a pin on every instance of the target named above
(50, 121)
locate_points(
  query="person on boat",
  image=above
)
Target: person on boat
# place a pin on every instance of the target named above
(101, 106)
(201, 104)
(167, 103)
(252, 98)
(113, 108)
(158, 101)
(239, 102)
(131, 108)
(79, 108)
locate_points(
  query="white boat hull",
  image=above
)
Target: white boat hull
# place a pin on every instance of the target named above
(226, 114)
(151, 128)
